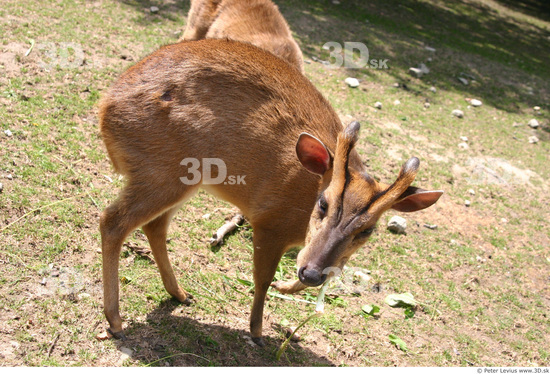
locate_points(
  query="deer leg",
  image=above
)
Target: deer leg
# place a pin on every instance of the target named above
(288, 287)
(156, 231)
(269, 247)
(138, 204)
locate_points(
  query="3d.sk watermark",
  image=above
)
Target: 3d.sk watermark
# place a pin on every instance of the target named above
(206, 175)
(353, 55)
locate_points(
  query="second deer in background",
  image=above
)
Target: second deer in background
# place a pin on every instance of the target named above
(258, 22)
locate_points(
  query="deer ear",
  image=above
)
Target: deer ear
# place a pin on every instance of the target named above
(313, 154)
(415, 198)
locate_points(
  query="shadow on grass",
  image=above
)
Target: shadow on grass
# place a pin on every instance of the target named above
(166, 339)
(169, 10)
(503, 57)
(505, 60)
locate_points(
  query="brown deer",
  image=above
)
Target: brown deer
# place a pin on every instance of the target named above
(257, 22)
(231, 101)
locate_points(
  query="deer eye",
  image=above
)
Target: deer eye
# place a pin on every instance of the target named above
(323, 205)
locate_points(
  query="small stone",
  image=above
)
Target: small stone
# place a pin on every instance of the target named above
(431, 227)
(503, 220)
(352, 82)
(154, 9)
(457, 113)
(8, 133)
(464, 81)
(426, 105)
(463, 146)
(126, 353)
(536, 109)
(471, 192)
(378, 105)
(533, 140)
(424, 69)
(84, 295)
(1, 187)
(467, 202)
(476, 102)
(464, 139)
(533, 123)
(416, 72)
(362, 276)
(397, 225)
(429, 49)
(336, 2)
(206, 216)
(433, 89)
(9, 177)
(396, 102)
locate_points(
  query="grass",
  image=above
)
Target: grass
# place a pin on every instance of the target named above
(481, 275)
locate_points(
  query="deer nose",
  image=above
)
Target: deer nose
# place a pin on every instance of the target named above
(311, 277)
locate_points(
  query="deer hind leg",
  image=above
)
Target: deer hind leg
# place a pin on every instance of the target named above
(138, 204)
(156, 231)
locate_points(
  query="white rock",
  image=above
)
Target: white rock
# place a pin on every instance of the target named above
(476, 102)
(536, 109)
(471, 192)
(457, 113)
(84, 295)
(416, 72)
(464, 139)
(433, 89)
(8, 133)
(426, 105)
(464, 81)
(396, 102)
(423, 68)
(1, 187)
(378, 105)
(352, 82)
(206, 216)
(126, 353)
(463, 146)
(467, 202)
(397, 224)
(154, 9)
(430, 49)
(533, 139)
(533, 123)
(9, 177)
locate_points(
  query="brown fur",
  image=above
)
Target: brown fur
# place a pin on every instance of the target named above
(235, 102)
(258, 22)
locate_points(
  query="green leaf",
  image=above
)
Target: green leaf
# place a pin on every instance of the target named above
(409, 312)
(245, 282)
(398, 342)
(370, 309)
(403, 300)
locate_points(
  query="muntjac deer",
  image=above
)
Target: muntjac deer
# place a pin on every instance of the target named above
(230, 101)
(258, 22)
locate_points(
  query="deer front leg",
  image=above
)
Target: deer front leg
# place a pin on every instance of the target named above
(269, 247)
(288, 287)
